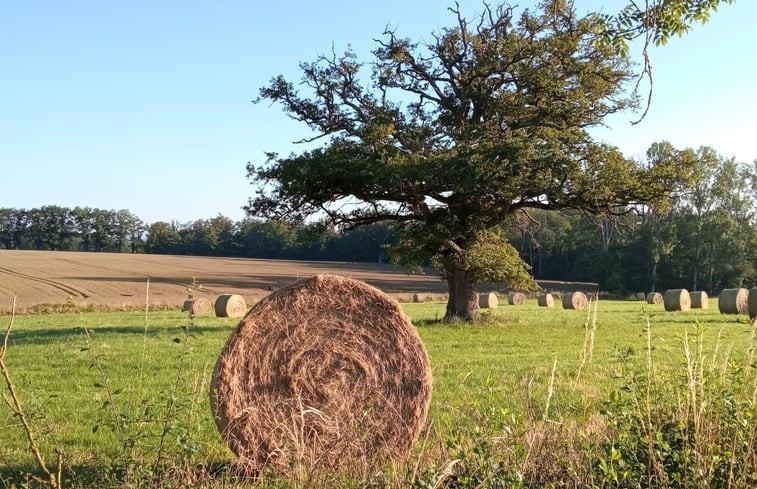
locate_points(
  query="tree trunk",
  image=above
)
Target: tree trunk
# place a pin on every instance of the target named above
(654, 277)
(463, 297)
(697, 255)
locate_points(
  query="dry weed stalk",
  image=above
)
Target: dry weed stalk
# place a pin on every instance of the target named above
(587, 350)
(53, 478)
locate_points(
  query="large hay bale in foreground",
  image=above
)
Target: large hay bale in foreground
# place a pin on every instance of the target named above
(546, 300)
(752, 303)
(734, 301)
(700, 300)
(516, 298)
(654, 298)
(230, 306)
(197, 306)
(488, 300)
(677, 300)
(327, 373)
(575, 300)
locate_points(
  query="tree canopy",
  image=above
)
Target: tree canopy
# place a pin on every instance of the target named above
(451, 138)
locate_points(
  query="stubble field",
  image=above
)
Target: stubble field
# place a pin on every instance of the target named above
(59, 281)
(43, 280)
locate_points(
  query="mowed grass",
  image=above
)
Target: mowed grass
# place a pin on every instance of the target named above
(136, 388)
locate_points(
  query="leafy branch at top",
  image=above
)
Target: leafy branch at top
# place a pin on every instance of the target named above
(656, 22)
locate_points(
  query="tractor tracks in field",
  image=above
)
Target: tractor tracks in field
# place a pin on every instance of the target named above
(118, 272)
(52, 283)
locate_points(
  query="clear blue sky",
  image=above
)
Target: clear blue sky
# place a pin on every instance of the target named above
(147, 106)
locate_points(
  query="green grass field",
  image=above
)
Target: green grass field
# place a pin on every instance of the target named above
(136, 390)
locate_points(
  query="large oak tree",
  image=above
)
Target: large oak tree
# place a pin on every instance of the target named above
(450, 138)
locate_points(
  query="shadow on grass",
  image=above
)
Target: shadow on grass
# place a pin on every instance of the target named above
(115, 476)
(54, 335)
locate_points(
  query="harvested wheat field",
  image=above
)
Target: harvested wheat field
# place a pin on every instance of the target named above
(49, 280)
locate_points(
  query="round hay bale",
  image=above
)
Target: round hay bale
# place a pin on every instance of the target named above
(516, 298)
(327, 373)
(677, 300)
(575, 300)
(752, 303)
(230, 306)
(655, 298)
(417, 298)
(197, 306)
(546, 300)
(700, 300)
(734, 301)
(488, 300)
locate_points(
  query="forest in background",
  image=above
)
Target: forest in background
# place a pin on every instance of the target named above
(706, 241)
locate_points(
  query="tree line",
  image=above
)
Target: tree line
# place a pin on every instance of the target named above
(59, 228)
(706, 240)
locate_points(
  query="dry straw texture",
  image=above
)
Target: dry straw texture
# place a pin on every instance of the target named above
(546, 300)
(734, 301)
(197, 306)
(488, 300)
(654, 298)
(325, 374)
(575, 300)
(516, 298)
(700, 300)
(752, 300)
(677, 300)
(230, 306)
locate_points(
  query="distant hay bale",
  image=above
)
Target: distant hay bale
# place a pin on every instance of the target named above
(488, 300)
(640, 296)
(575, 300)
(197, 306)
(516, 298)
(655, 298)
(417, 298)
(546, 300)
(734, 301)
(752, 303)
(326, 373)
(230, 306)
(700, 300)
(677, 300)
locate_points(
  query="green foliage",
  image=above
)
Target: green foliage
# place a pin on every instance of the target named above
(162, 238)
(659, 20)
(490, 259)
(706, 439)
